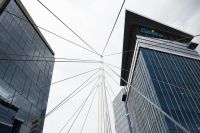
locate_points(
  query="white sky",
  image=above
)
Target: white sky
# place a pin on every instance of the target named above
(93, 21)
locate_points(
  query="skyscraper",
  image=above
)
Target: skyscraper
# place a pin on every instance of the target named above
(25, 77)
(163, 80)
(122, 121)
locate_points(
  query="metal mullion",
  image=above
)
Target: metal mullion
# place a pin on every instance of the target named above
(137, 104)
(180, 98)
(145, 104)
(144, 83)
(166, 94)
(178, 94)
(183, 89)
(141, 112)
(146, 121)
(190, 70)
(137, 97)
(194, 95)
(196, 63)
(155, 116)
(168, 66)
(141, 103)
(159, 86)
(191, 88)
(197, 70)
(194, 76)
(135, 111)
(140, 109)
(172, 91)
(153, 98)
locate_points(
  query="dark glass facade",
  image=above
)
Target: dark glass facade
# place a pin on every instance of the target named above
(24, 84)
(172, 83)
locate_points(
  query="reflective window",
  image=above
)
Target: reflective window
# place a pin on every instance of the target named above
(171, 82)
(23, 83)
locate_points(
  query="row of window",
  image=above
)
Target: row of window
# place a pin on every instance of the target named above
(175, 85)
(144, 117)
(23, 83)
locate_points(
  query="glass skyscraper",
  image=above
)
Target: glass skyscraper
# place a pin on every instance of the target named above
(24, 85)
(163, 79)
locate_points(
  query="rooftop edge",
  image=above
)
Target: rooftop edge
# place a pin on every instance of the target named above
(134, 19)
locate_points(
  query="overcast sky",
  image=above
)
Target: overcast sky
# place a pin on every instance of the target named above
(93, 20)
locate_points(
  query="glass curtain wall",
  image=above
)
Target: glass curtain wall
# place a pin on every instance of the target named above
(172, 83)
(24, 84)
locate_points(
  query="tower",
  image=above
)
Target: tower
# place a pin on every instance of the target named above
(163, 77)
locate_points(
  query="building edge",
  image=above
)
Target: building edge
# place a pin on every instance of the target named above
(29, 18)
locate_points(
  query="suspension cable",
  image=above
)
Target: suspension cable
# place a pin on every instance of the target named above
(68, 27)
(43, 57)
(107, 109)
(116, 67)
(83, 107)
(74, 92)
(110, 87)
(72, 77)
(109, 97)
(71, 117)
(108, 94)
(118, 53)
(59, 36)
(88, 112)
(103, 106)
(70, 97)
(112, 28)
(117, 83)
(154, 105)
(75, 61)
(60, 81)
(111, 77)
(78, 110)
(99, 107)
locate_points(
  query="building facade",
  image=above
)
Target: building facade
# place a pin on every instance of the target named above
(25, 77)
(122, 120)
(163, 78)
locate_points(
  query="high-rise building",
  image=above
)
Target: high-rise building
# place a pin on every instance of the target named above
(25, 77)
(163, 78)
(122, 120)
